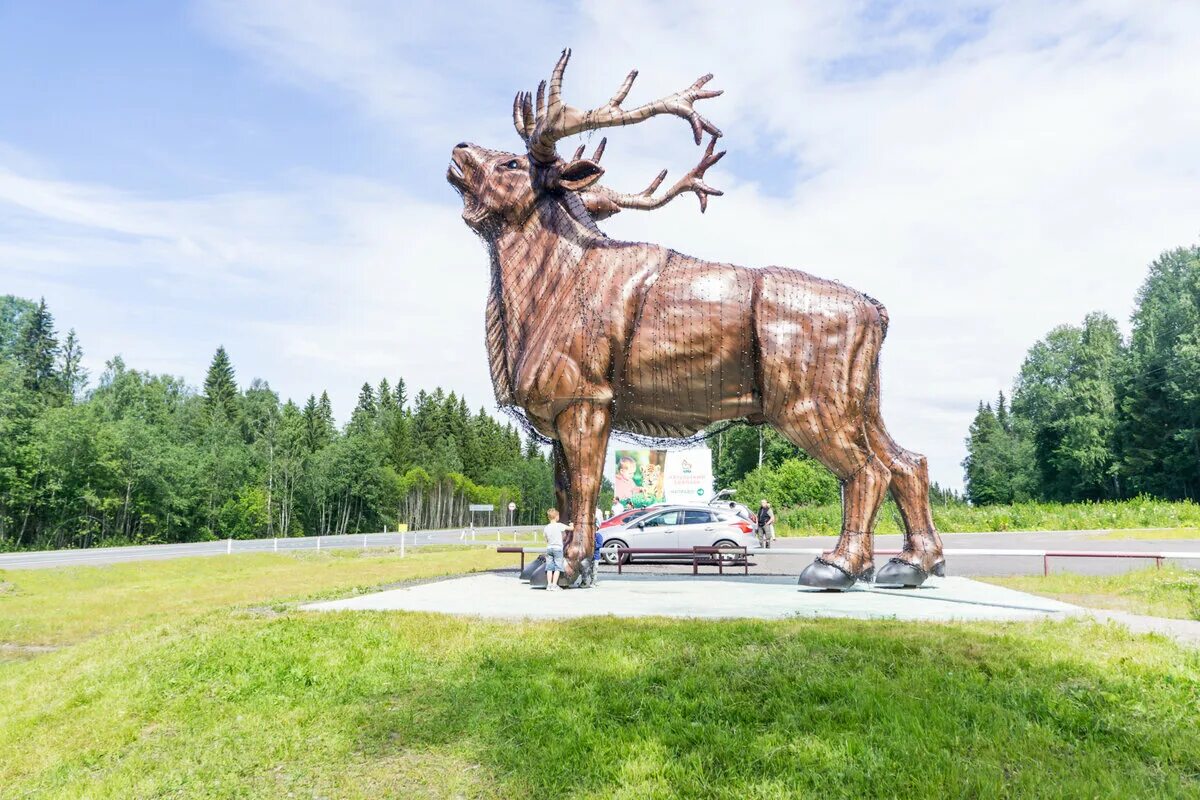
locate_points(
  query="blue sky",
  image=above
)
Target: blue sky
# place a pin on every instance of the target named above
(269, 175)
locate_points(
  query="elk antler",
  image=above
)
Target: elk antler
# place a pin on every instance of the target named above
(602, 202)
(554, 120)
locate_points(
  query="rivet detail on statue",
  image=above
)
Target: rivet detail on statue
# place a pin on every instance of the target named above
(587, 335)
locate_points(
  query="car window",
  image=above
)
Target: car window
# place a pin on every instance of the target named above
(666, 518)
(696, 517)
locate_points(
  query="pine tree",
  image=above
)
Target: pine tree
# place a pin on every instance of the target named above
(36, 351)
(325, 417)
(314, 428)
(387, 402)
(401, 394)
(364, 412)
(220, 388)
(986, 482)
(74, 376)
(1002, 416)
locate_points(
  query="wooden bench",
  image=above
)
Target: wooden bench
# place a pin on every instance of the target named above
(710, 556)
(706, 556)
(701, 555)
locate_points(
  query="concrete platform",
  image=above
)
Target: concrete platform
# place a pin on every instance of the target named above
(504, 596)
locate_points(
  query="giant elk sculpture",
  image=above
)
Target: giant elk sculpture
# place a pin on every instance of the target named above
(587, 335)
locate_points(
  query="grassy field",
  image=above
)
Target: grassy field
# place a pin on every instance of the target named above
(177, 679)
(50, 607)
(1141, 513)
(1150, 534)
(1166, 592)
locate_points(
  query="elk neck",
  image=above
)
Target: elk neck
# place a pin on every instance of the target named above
(528, 262)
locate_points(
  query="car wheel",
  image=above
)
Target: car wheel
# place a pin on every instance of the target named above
(608, 551)
(728, 557)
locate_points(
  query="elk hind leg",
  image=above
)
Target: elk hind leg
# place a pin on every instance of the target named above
(864, 479)
(922, 554)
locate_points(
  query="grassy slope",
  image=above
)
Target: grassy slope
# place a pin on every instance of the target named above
(1150, 534)
(1141, 513)
(263, 702)
(61, 606)
(1169, 592)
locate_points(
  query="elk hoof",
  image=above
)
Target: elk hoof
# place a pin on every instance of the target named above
(823, 575)
(908, 576)
(532, 567)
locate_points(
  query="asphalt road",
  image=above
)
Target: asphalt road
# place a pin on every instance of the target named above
(985, 565)
(766, 563)
(155, 552)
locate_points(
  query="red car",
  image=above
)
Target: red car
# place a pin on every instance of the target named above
(625, 517)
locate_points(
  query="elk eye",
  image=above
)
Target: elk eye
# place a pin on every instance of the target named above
(514, 164)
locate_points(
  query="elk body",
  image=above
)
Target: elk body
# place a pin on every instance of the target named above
(586, 334)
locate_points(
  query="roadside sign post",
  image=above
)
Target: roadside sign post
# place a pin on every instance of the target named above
(479, 508)
(511, 508)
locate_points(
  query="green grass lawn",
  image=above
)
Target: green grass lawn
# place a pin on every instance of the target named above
(43, 607)
(1166, 592)
(234, 693)
(1150, 533)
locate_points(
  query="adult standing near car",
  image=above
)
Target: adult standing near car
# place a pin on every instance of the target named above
(766, 522)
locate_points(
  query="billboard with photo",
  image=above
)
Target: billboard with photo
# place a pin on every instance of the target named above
(644, 477)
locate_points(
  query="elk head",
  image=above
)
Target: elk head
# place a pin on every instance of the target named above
(502, 189)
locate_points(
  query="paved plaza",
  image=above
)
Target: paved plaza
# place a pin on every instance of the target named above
(502, 595)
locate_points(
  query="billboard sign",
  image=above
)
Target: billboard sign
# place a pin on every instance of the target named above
(644, 477)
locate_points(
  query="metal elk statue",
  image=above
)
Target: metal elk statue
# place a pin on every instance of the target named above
(587, 335)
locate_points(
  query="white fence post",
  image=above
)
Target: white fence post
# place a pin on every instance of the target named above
(402, 544)
(275, 544)
(318, 543)
(228, 546)
(364, 541)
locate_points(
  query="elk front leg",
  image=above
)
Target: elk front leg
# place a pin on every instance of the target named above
(562, 481)
(582, 430)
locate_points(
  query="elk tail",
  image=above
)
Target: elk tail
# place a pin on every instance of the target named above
(883, 314)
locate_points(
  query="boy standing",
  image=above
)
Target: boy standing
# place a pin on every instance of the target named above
(553, 532)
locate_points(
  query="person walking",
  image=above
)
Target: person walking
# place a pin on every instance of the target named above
(555, 562)
(766, 523)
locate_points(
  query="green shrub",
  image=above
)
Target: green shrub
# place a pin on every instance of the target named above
(795, 482)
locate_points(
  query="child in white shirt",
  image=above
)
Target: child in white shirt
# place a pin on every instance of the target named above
(555, 562)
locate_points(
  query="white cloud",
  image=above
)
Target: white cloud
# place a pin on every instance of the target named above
(987, 176)
(313, 286)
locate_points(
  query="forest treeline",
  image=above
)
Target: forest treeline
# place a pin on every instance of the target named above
(1094, 416)
(144, 458)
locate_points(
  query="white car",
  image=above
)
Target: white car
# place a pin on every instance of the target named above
(679, 526)
(724, 501)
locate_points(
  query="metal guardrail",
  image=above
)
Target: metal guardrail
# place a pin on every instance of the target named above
(401, 540)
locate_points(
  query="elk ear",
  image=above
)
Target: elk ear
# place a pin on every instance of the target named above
(579, 174)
